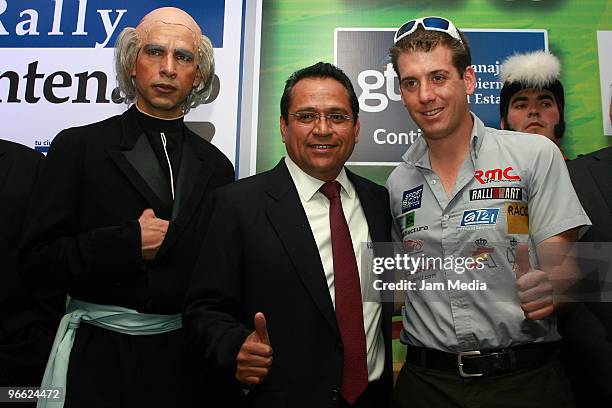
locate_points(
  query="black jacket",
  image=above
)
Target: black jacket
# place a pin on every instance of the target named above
(587, 327)
(27, 320)
(260, 256)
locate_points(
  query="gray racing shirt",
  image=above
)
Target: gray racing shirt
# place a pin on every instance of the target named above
(512, 188)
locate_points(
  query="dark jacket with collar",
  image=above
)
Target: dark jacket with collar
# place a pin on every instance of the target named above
(27, 320)
(83, 236)
(260, 255)
(83, 232)
(587, 327)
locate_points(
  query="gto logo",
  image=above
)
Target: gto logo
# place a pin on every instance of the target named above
(490, 176)
(480, 216)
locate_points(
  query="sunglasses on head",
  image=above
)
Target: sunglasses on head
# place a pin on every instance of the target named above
(432, 23)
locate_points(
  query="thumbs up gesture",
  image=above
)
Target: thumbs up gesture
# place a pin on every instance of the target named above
(254, 359)
(535, 291)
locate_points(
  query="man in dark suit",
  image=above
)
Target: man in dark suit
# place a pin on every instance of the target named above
(27, 321)
(118, 218)
(275, 305)
(587, 327)
(532, 101)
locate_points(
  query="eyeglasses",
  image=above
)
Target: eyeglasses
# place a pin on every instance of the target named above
(308, 118)
(432, 23)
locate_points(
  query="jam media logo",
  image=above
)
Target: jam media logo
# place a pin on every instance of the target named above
(411, 199)
(491, 176)
(481, 216)
(496, 193)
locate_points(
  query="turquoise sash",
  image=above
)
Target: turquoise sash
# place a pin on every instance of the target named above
(114, 318)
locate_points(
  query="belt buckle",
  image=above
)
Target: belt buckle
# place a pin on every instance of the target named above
(460, 363)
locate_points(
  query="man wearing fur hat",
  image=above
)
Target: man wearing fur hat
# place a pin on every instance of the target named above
(118, 221)
(532, 99)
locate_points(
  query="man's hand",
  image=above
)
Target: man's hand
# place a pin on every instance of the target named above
(255, 356)
(535, 292)
(152, 233)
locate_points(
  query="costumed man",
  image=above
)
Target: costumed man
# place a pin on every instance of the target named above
(532, 98)
(118, 220)
(484, 335)
(28, 321)
(532, 101)
(275, 305)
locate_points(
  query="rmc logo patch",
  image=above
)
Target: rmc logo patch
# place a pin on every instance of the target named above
(493, 175)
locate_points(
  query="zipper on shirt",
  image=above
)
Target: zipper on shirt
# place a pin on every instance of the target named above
(163, 140)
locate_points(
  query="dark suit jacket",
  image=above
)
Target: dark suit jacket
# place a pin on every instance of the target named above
(83, 235)
(587, 327)
(27, 322)
(83, 232)
(260, 256)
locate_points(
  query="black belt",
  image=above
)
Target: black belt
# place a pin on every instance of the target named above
(479, 363)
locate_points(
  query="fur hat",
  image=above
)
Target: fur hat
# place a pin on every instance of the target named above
(537, 70)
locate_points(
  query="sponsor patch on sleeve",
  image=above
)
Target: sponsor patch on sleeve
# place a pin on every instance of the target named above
(517, 218)
(411, 199)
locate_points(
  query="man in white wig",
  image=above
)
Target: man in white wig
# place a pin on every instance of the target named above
(118, 220)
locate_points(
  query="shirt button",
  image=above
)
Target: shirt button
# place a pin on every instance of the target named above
(339, 348)
(334, 394)
(445, 217)
(434, 181)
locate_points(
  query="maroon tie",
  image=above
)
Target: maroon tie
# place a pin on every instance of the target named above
(349, 309)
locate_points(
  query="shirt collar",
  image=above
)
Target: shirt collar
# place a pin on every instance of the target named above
(416, 155)
(307, 186)
(478, 135)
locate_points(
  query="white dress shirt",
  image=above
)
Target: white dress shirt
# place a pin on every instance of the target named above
(316, 207)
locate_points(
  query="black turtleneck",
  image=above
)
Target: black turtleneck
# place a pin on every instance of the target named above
(173, 129)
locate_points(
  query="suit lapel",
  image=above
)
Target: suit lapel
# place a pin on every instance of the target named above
(194, 172)
(194, 175)
(600, 173)
(138, 163)
(288, 219)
